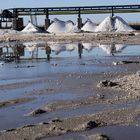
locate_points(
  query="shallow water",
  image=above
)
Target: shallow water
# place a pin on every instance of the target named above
(81, 58)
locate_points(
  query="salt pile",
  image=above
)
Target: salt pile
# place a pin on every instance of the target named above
(121, 25)
(105, 26)
(30, 28)
(116, 24)
(89, 26)
(59, 26)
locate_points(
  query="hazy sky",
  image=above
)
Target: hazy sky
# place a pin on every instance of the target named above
(47, 3)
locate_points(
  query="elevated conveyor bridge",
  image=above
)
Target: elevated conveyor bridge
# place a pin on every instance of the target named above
(15, 13)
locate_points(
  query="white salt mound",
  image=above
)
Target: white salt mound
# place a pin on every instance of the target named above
(59, 26)
(116, 24)
(89, 26)
(121, 25)
(30, 28)
(105, 26)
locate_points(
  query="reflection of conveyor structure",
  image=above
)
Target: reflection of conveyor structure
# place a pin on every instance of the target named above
(11, 51)
(37, 50)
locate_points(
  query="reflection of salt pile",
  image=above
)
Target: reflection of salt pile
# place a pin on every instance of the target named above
(112, 48)
(30, 28)
(89, 46)
(107, 48)
(121, 25)
(57, 48)
(119, 48)
(89, 26)
(71, 47)
(105, 26)
(59, 26)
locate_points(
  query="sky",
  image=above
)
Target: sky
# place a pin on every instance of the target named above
(54, 3)
(45, 3)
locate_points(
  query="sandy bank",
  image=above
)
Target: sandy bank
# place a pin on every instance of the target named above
(121, 38)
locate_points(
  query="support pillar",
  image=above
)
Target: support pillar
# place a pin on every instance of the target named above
(20, 24)
(47, 20)
(17, 24)
(112, 12)
(0, 24)
(79, 20)
(47, 23)
(14, 24)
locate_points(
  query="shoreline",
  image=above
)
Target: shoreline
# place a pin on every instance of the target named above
(116, 38)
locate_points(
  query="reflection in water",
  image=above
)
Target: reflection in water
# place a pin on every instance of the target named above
(48, 52)
(80, 49)
(89, 46)
(16, 51)
(112, 48)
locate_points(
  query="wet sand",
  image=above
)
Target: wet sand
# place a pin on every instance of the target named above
(14, 102)
(72, 101)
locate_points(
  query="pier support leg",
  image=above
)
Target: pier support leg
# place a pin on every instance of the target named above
(47, 23)
(112, 12)
(0, 24)
(17, 24)
(20, 25)
(14, 24)
(79, 20)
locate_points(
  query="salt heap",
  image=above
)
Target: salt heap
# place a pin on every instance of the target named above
(116, 24)
(89, 26)
(30, 28)
(121, 25)
(105, 26)
(59, 26)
